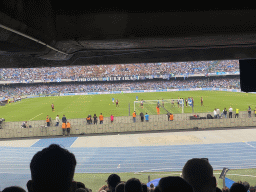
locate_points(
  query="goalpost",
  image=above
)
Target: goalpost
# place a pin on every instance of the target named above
(167, 105)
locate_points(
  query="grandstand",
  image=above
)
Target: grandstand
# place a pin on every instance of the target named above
(100, 78)
(115, 79)
(76, 73)
(75, 87)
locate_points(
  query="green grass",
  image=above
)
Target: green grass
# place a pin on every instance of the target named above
(81, 106)
(95, 181)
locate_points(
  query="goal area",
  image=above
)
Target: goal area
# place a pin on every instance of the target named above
(167, 105)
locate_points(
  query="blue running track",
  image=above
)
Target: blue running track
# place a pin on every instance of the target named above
(15, 161)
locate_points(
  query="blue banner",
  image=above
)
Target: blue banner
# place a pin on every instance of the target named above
(155, 182)
(228, 182)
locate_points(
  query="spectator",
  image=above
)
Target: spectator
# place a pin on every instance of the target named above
(88, 118)
(14, 189)
(141, 117)
(81, 190)
(168, 116)
(134, 117)
(215, 113)
(230, 110)
(199, 174)
(249, 112)
(68, 126)
(152, 186)
(218, 113)
(48, 121)
(80, 185)
(171, 117)
(247, 185)
(64, 128)
(147, 117)
(64, 119)
(225, 112)
(252, 189)
(95, 119)
(120, 187)
(52, 169)
(144, 187)
(157, 189)
(101, 118)
(104, 188)
(133, 185)
(170, 183)
(111, 118)
(24, 124)
(226, 189)
(57, 121)
(112, 181)
(237, 187)
(237, 113)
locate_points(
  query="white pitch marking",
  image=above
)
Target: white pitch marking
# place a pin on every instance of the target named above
(35, 117)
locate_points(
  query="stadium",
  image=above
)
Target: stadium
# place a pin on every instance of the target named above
(113, 108)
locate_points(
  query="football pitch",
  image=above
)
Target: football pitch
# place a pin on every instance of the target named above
(81, 106)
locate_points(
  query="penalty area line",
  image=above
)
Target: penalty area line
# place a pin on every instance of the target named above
(35, 116)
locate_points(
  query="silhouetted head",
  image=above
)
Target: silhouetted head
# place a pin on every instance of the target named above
(199, 174)
(237, 187)
(113, 180)
(52, 169)
(14, 189)
(170, 183)
(133, 185)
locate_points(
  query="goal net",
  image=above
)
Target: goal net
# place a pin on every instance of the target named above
(168, 105)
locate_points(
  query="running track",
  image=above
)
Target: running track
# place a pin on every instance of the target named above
(14, 166)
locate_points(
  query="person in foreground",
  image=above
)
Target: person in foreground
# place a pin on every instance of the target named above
(112, 181)
(171, 183)
(52, 169)
(14, 189)
(199, 174)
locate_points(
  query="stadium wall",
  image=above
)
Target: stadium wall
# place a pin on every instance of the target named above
(124, 124)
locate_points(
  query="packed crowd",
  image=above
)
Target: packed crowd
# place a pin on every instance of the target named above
(53, 168)
(32, 89)
(144, 69)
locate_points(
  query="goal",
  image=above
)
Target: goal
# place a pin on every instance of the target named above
(167, 105)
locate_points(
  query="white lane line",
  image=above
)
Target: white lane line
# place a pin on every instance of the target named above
(249, 145)
(35, 117)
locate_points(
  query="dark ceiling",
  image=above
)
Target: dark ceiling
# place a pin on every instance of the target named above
(73, 33)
